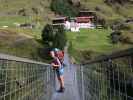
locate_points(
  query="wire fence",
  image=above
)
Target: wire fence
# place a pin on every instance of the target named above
(22, 79)
(107, 78)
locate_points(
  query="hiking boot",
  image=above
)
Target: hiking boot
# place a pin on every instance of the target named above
(61, 89)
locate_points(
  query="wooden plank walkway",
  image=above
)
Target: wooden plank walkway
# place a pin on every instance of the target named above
(71, 89)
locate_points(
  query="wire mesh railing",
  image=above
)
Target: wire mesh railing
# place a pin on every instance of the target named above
(22, 79)
(107, 77)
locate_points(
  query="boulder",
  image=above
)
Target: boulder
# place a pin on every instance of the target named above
(75, 2)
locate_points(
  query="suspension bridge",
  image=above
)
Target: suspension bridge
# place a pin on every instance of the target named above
(108, 77)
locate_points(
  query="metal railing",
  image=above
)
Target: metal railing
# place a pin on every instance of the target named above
(107, 77)
(23, 79)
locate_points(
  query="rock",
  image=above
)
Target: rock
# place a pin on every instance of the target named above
(75, 2)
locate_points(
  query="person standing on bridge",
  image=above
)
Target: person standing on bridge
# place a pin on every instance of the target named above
(58, 67)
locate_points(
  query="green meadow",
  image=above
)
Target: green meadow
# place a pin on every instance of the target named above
(93, 40)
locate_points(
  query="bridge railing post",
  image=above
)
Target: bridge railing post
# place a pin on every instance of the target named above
(82, 81)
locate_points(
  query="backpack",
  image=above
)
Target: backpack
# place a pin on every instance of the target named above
(60, 55)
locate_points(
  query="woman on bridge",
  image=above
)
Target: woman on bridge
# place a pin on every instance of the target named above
(58, 66)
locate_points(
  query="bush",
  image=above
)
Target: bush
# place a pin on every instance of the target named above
(44, 53)
(125, 39)
(60, 38)
(121, 26)
(115, 36)
(54, 37)
(64, 7)
(48, 35)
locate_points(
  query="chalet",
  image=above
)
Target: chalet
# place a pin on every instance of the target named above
(59, 20)
(83, 20)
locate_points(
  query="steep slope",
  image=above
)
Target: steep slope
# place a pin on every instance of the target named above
(30, 6)
(35, 10)
(18, 44)
(19, 41)
(110, 10)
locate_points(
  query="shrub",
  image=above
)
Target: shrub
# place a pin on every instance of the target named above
(54, 37)
(125, 39)
(115, 36)
(60, 38)
(121, 26)
(64, 7)
(48, 34)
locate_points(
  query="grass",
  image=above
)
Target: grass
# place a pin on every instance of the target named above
(109, 12)
(9, 37)
(12, 20)
(95, 40)
(19, 44)
(12, 7)
(9, 15)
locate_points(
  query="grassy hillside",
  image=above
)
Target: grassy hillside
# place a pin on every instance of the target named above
(19, 41)
(87, 44)
(25, 11)
(30, 7)
(18, 44)
(112, 11)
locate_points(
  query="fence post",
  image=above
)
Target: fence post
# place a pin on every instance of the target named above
(82, 79)
(5, 90)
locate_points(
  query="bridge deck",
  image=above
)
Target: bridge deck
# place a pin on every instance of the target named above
(71, 90)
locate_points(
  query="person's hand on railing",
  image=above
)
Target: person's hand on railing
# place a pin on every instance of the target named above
(54, 66)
